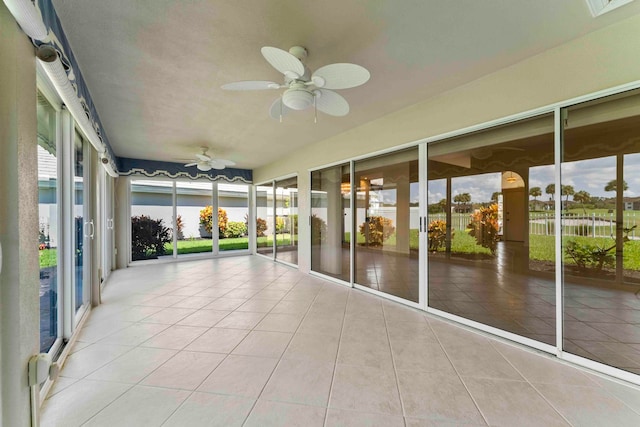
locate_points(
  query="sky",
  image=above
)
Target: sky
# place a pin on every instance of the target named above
(588, 175)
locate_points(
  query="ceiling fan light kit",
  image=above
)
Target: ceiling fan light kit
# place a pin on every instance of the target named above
(303, 89)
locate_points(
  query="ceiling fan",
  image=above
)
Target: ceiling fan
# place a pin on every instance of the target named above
(302, 88)
(205, 162)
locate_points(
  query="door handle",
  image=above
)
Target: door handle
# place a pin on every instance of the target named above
(93, 229)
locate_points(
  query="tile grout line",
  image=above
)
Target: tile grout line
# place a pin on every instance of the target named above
(395, 368)
(283, 352)
(165, 388)
(192, 392)
(446, 353)
(335, 364)
(530, 383)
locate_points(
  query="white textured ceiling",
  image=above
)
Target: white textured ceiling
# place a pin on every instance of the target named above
(155, 67)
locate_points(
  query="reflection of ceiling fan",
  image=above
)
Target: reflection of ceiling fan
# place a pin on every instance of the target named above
(485, 152)
(205, 163)
(304, 89)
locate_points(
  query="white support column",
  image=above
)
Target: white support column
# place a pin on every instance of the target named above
(331, 255)
(215, 205)
(19, 278)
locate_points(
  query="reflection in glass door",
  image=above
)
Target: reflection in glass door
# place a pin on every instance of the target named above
(81, 228)
(600, 177)
(286, 225)
(331, 222)
(490, 245)
(387, 224)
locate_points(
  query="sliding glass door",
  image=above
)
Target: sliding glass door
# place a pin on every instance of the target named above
(49, 236)
(331, 222)
(490, 256)
(286, 226)
(386, 228)
(600, 176)
(277, 219)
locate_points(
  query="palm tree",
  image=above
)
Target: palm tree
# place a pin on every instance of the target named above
(613, 185)
(462, 198)
(582, 197)
(535, 192)
(443, 204)
(567, 190)
(550, 190)
(495, 196)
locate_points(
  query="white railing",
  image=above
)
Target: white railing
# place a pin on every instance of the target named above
(591, 224)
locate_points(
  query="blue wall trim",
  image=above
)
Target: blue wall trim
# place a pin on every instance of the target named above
(152, 168)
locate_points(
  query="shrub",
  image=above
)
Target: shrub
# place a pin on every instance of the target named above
(179, 228)
(206, 220)
(484, 227)
(235, 229)
(261, 227)
(318, 230)
(437, 233)
(148, 237)
(281, 225)
(593, 258)
(378, 228)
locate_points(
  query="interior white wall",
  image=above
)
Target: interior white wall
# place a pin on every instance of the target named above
(599, 60)
(19, 280)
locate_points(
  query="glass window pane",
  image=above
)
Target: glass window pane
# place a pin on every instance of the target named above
(151, 219)
(194, 218)
(600, 239)
(264, 219)
(330, 222)
(49, 240)
(387, 220)
(287, 220)
(488, 259)
(78, 212)
(233, 199)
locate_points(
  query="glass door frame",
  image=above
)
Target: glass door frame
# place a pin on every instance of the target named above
(272, 184)
(422, 272)
(56, 103)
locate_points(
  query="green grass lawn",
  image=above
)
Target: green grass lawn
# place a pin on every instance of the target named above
(48, 258)
(542, 248)
(196, 246)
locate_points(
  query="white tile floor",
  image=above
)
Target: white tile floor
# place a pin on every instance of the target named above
(245, 341)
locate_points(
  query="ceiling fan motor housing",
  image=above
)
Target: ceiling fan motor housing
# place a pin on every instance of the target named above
(297, 98)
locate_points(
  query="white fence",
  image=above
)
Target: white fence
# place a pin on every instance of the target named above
(573, 224)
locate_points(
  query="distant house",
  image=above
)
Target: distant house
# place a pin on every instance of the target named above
(631, 203)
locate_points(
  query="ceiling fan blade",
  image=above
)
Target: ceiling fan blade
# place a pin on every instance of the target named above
(216, 164)
(251, 85)
(277, 109)
(225, 162)
(190, 164)
(283, 61)
(340, 76)
(203, 157)
(204, 167)
(331, 103)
